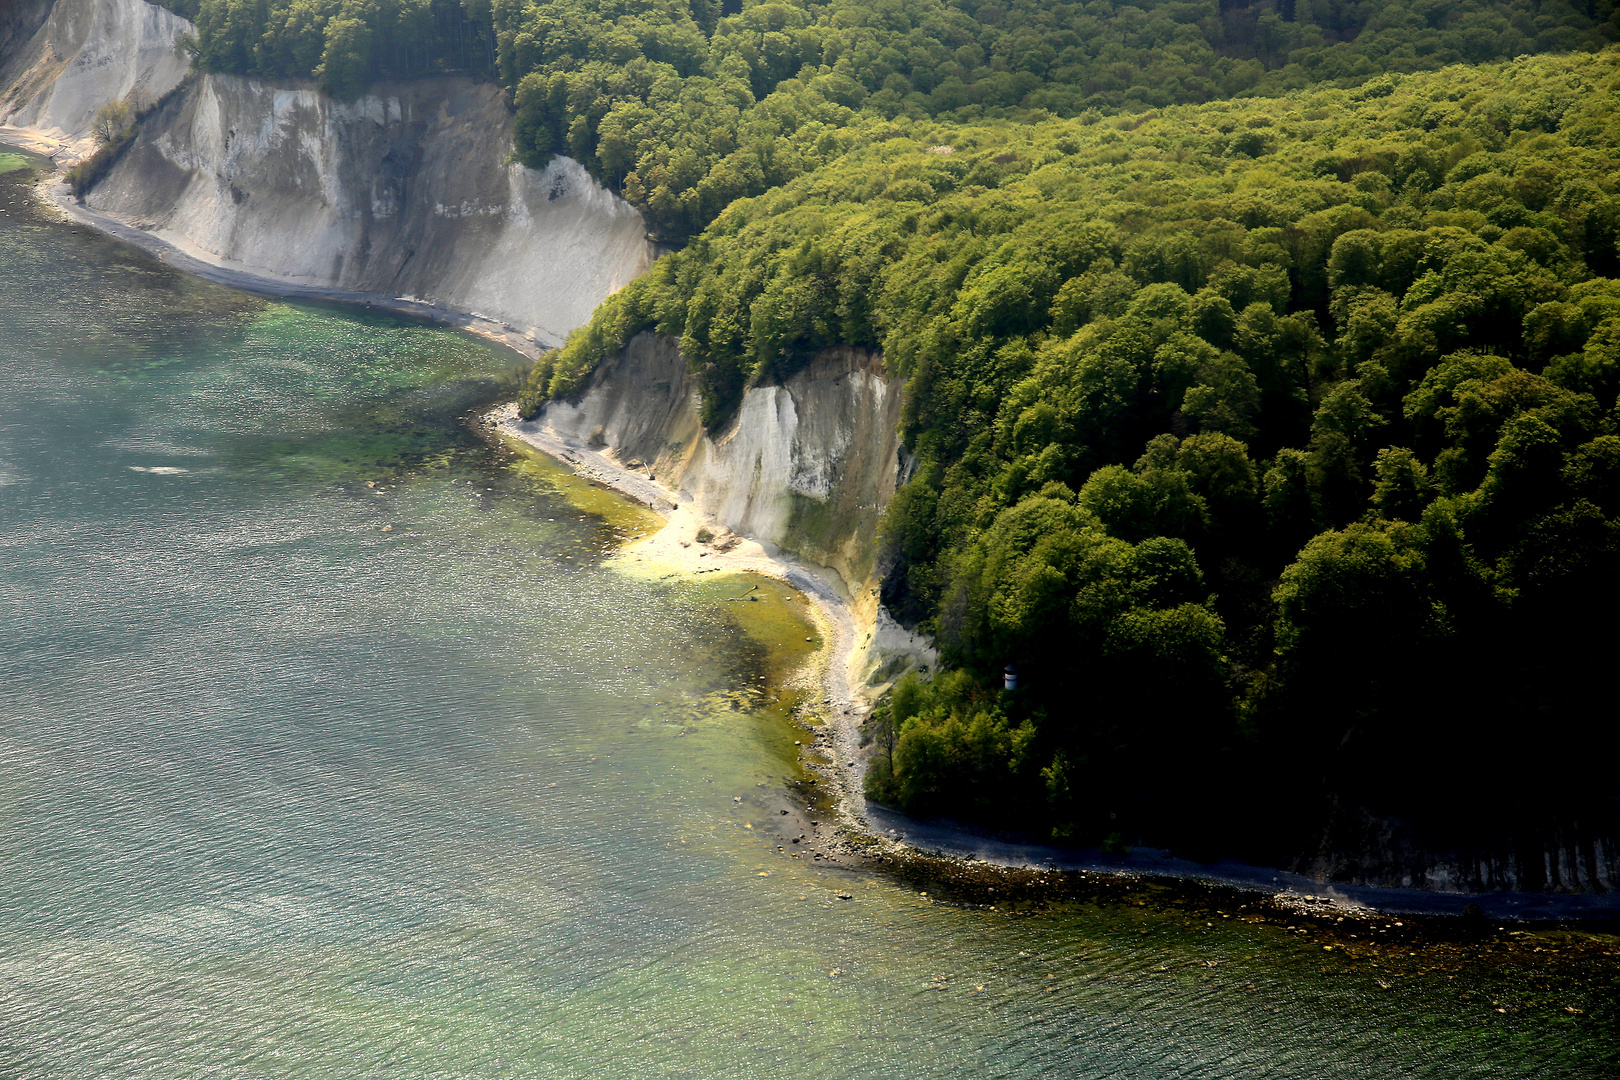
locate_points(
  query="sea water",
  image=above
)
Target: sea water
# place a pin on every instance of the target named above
(331, 746)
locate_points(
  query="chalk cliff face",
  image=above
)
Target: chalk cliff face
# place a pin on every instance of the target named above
(807, 466)
(404, 191)
(65, 60)
(408, 191)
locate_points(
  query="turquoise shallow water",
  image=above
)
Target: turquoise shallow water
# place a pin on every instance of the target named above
(284, 794)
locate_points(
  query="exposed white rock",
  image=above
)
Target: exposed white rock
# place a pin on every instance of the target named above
(807, 467)
(87, 53)
(405, 191)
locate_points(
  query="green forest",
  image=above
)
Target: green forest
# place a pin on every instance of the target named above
(1261, 365)
(685, 107)
(1270, 438)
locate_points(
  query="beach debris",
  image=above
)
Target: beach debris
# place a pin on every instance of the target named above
(845, 896)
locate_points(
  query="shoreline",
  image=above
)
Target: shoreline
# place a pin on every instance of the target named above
(883, 838)
(842, 708)
(866, 833)
(54, 193)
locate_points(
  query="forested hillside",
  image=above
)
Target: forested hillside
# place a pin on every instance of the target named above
(1262, 368)
(1274, 440)
(687, 106)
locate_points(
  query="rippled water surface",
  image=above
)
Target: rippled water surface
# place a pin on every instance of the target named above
(327, 749)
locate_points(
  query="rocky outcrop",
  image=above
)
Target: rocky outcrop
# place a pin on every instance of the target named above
(806, 467)
(405, 191)
(1529, 846)
(61, 62)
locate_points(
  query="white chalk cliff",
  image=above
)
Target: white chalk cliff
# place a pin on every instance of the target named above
(406, 191)
(65, 60)
(806, 467)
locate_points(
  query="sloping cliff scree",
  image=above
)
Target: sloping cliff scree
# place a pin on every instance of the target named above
(61, 62)
(405, 190)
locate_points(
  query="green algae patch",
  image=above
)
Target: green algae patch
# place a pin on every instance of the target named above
(771, 612)
(363, 352)
(614, 509)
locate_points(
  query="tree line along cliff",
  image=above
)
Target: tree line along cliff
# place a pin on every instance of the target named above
(687, 105)
(1274, 441)
(1261, 368)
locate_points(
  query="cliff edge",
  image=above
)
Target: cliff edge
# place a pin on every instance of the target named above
(407, 192)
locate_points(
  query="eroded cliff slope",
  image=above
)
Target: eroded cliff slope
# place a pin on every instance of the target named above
(806, 467)
(60, 62)
(406, 190)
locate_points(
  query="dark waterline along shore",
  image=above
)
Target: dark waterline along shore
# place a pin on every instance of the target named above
(869, 834)
(54, 192)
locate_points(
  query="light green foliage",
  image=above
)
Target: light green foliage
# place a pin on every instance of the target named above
(113, 121)
(1226, 397)
(1402, 490)
(1341, 602)
(113, 128)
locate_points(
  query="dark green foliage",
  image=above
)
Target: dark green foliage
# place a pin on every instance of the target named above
(1229, 453)
(1262, 387)
(685, 111)
(341, 44)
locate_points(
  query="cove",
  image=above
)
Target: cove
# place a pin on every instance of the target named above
(328, 748)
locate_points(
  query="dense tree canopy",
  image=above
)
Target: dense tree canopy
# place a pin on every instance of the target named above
(685, 105)
(1261, 358)
(1266, 436)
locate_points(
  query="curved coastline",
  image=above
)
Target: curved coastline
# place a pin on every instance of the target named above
(875, 832)
(868, 832)
(55, 195)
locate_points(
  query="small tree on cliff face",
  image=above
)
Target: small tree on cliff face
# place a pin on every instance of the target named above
(113, 121)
